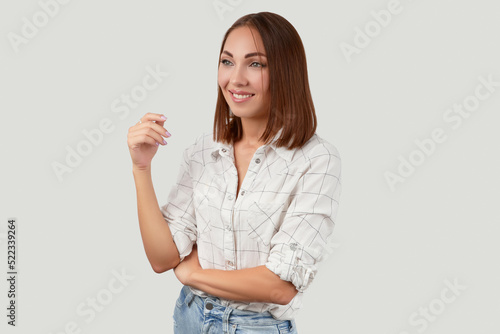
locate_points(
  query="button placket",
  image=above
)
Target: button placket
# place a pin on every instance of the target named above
(229, 242)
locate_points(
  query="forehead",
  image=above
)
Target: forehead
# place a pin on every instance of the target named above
(243, 40)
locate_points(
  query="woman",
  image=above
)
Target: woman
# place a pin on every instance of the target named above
(253, 208)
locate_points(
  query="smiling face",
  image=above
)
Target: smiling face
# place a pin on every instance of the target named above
(243, 74)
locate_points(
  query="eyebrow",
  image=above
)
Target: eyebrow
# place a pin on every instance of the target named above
(248, 55)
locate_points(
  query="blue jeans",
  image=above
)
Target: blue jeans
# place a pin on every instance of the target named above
(196, 315)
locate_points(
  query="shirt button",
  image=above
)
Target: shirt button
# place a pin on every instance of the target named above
(228, 227)
(230, 197)
(224, 150)
(229, 263)
(257, 161)
(242, 193)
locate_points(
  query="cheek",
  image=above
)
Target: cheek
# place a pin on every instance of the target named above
(222, 78)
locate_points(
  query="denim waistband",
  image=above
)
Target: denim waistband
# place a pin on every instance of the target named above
(213, 306)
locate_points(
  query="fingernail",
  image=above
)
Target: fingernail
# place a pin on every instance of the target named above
(163, 117)
(157, 143)
(168, 133)
(164, 142)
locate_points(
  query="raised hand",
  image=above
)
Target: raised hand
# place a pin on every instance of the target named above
(145, 137)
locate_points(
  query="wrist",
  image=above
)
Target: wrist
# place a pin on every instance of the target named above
(136, 170)
(195, 278)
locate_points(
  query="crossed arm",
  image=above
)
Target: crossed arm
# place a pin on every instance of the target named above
(257, 284)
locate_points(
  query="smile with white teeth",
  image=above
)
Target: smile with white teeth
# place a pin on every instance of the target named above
(241, 96)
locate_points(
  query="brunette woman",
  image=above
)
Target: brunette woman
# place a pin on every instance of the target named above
(252, 211)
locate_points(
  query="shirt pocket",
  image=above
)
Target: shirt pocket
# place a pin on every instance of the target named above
(264, 220)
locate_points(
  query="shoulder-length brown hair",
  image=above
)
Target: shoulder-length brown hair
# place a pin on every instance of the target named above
(291, 108)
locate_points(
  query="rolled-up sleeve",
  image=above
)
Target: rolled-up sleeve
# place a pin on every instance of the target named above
(304, 237)
(179, 210)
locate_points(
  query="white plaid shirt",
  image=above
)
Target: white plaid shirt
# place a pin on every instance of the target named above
(283, 217)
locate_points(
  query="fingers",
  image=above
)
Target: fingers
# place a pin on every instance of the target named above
(156, 121)
(149, 130)
(151, 117)
(146, 135)
(135, 140)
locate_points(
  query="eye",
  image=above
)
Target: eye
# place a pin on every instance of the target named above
(257, 64)
(226, 62)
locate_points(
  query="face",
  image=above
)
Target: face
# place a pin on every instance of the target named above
(243, 74)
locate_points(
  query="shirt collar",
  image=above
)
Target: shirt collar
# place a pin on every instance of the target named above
(285, 153)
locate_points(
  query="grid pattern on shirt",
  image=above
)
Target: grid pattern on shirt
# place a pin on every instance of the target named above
(283, 216)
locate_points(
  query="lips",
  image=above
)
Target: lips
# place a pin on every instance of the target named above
(240, 95)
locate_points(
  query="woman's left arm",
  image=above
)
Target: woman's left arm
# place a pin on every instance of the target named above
(257, 284)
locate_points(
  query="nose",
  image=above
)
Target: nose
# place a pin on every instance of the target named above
(238, 76)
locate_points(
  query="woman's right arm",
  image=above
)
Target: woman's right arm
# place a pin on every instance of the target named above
(143, 141)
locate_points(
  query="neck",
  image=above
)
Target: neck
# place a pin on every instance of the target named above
(252, 130)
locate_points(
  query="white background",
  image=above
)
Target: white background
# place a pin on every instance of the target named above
(395, 247)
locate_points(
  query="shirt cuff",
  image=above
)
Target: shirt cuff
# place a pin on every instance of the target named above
(184, 243)
(289, 265)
